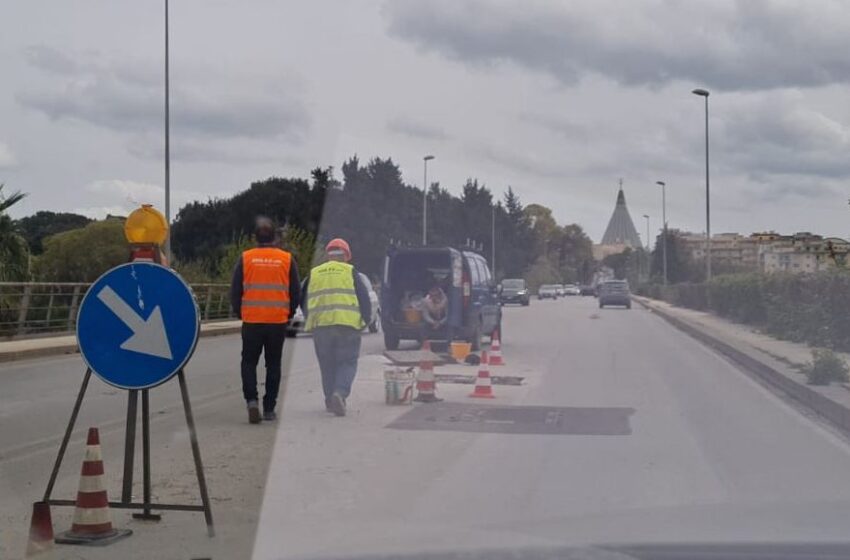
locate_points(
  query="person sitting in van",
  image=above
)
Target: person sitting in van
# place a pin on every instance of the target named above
(435, 308)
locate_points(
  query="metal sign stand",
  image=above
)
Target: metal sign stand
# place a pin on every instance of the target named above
(150, 253)
(129, 454)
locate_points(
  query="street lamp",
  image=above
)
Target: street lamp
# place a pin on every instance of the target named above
(167, 148)
(704, 93)
(663, 228)
(425, 161)
(647, 245)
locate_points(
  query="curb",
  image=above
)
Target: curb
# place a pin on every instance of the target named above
(835, 413)
(65, 349)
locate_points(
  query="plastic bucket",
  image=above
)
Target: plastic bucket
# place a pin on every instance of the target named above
(460, 350)
(398, 386)
(412, 316)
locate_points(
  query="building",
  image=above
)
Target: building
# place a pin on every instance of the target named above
(620, 234)
(770, 251)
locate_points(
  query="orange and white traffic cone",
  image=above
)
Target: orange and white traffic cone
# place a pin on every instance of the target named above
(496, 349)
(92, 523)
(41, 530)
(483, 385)
(426, 381)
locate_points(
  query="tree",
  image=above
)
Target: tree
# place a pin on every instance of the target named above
(623, 264)
(82, 255)
(680, 266)
(14, 255)
(45, 223)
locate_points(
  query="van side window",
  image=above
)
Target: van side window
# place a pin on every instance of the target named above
(487, 278)
(474, 273)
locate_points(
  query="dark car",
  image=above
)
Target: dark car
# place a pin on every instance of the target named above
(514, 290)
(587, 290)
(614, 292)
(473, 308)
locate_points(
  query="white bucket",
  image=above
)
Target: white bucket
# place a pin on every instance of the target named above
(398, 386)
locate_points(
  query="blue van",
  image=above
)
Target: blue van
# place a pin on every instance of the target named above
(473, 299)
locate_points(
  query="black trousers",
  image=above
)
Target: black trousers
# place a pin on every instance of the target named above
(258, 338)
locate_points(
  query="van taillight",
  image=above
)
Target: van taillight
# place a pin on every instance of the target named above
(466, 290)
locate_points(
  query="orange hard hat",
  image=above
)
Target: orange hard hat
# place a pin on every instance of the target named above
(339, 244)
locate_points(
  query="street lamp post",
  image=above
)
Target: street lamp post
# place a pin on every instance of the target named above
(663, 228)
(493, 238)
(647, 245)
(704, 93)
(167, 147)
(425, 161)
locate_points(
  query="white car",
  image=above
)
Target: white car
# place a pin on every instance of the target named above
(373, 298)
(572, 290)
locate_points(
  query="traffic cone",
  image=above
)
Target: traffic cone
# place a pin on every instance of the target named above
(496, 349)
(92, 523)
(483, 386)
(426, 381)
(41, 530)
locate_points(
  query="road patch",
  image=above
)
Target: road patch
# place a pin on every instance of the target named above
(540, 420)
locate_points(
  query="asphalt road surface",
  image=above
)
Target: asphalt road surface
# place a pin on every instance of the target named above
(623, 430)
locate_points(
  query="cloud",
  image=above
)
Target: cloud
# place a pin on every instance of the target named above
(725, 44)
(151, 147)
(7, 158)
(108, 95)
(518, 160)
(414, 129)
(567, 129)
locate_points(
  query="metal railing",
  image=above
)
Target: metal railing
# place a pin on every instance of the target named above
(30, 309)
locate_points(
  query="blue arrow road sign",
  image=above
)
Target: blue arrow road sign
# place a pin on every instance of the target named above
(138, 325)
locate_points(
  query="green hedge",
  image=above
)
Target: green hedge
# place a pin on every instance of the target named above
(810, 308)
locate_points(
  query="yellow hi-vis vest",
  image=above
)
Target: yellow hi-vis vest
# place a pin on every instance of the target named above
(331, 297)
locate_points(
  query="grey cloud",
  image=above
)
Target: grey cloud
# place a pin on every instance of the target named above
(519, 161)
(204, 150)
(130, 100)
(732, 45)
(408, 127)
(567, 129)
(784, 138)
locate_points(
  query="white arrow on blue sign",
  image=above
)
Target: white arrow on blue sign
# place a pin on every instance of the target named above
(138, 325)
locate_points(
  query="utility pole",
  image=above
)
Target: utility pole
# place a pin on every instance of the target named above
(167, 146)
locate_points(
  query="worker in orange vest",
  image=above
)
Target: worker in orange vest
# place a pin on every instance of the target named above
(264, 292)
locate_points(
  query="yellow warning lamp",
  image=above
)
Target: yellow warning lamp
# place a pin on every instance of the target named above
(146, 226)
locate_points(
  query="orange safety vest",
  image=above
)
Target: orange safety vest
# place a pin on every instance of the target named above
(265, 285)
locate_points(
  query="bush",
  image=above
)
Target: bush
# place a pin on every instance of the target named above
(826, 367)
(810, 308)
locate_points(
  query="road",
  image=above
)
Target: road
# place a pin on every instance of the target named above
(668, 442)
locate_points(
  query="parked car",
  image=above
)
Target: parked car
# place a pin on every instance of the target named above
(549, 291)
(559, 288)
(614, 292)
(474, 309)
(587, 290)
(514, 290)
(372, 325)
(571, 290)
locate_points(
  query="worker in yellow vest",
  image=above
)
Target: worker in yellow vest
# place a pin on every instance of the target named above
(264, 290)
(337, 307)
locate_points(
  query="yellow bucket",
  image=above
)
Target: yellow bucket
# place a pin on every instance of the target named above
(412, 316)
(460, 350)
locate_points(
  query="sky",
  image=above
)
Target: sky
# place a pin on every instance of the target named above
(559, 100)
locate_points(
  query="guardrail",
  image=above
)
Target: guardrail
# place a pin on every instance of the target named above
(29, 309)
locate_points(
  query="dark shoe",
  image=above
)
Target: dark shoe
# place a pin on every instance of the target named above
(328, 404)
(337, 405)
(253, 412)
(269, 415)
